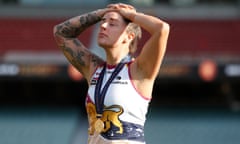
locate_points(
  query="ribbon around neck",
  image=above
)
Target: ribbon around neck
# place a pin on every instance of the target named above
(99, 95)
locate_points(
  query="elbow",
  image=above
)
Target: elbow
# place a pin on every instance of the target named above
(164, 28)
(55, 31)
(58, 38)
(161, 28)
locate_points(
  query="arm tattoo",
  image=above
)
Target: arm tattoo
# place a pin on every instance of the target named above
(67, 30)
(76, 58)
(77, 43)
(96, 60)
(74, 50)
(89, 19)
(73, 27)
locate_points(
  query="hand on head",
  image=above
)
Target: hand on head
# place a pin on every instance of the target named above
(125, 10)
(120, 5)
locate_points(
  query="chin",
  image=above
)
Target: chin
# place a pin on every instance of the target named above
(103, 45)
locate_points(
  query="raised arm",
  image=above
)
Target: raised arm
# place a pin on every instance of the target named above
(151, 56)
(66, 34)
(149, 61)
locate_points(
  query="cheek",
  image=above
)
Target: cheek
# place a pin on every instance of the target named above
(121, 37)
(114, 37)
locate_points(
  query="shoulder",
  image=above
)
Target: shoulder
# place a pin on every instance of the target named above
(95, 64)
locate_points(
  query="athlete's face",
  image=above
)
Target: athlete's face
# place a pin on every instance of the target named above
(112, 30)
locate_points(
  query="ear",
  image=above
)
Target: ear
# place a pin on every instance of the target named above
(131, 36)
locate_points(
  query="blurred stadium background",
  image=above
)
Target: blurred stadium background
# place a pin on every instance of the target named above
(196, 98)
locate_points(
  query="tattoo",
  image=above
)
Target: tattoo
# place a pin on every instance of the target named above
(69, 30)
(76, 58)
(96, 60)
(89, 19)
(77, 43)
(74, 50)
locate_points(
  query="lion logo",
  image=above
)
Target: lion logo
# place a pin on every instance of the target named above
(91, 110)
(110, 116)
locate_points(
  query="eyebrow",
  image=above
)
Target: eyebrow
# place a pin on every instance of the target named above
(111, 19)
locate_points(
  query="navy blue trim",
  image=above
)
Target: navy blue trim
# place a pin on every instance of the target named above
(99, 95)
(131, 131)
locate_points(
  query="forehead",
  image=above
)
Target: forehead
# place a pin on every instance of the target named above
(113, 16)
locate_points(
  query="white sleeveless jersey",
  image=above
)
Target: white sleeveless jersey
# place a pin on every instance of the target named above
(122, 105)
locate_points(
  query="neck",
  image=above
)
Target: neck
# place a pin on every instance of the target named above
(114, 58)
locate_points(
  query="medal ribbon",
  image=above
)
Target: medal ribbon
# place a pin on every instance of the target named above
(99, 95)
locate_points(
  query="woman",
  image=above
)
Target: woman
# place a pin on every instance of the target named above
(120, 87)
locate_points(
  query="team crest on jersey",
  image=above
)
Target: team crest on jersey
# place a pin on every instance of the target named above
(110, 117)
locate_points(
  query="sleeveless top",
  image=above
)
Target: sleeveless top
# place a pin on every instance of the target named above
(124, 111)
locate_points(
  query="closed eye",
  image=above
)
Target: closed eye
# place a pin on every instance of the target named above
(112, 21)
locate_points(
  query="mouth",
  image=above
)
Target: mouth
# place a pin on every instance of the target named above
(102, 35)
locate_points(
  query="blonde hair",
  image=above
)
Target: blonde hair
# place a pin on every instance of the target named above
(136, 29)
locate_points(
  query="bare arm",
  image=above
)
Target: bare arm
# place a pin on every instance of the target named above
(145, 68)
(147, 64)
(149, 61)
(77, 54)
(151, 56)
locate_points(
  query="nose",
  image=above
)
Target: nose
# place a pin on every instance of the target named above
(103, 25)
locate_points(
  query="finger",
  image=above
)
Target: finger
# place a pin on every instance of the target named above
(111, 5)
(118, 5)
(131, 7)
(115, 4)
(126, 6)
